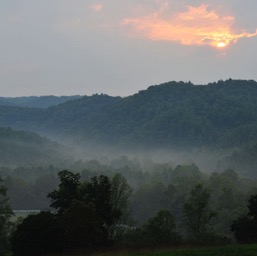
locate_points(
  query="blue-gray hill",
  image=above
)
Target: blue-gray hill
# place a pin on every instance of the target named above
(36, 101)
(28, 148)
(170, 115)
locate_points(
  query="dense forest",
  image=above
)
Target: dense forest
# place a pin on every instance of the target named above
(155, 187)
(218, 119)
(170, 115)
(120, 205)
(171, 165)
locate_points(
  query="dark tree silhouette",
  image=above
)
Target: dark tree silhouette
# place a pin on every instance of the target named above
(5, 215)
(98, 192)
(161, 230)
(81, 225)
(38, 235)
(68, 190)
(245, 227)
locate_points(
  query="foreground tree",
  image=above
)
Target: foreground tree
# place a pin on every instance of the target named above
(5, 223)
(245, 227)
(121, 192)
(102, 200)
(98, 192)
(68, 190)
(161, 230)
(82, 227)
(198, 214)
(158, 231)
(91, 212)
(38, 235)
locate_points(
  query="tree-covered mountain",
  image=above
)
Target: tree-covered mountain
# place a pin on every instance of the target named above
(27, 148)
(36, 101)
(170, 115)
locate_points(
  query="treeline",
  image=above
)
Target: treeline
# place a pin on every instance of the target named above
(243, 160)
(171, 115)
(96, 214)
(31, 152)
(158, 186)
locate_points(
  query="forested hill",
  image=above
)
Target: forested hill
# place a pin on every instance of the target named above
(174, 114)
(36, 101)
(27, 148)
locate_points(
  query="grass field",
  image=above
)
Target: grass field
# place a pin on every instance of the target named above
(231, 250)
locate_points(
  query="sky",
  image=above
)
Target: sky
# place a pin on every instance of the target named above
(83, 47)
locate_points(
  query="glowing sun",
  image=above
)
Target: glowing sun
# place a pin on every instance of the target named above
(221, 45)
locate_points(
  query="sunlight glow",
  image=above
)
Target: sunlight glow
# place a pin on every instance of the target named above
(221, 45)
(195, 26)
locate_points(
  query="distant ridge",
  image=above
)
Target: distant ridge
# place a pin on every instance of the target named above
(170, 115)
(27, 148)
(36, 101)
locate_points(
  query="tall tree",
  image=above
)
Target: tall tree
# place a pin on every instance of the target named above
(98, 192)
(38, 234)
(120, 195)
(245, 227)
(104, 200)
(82, 227)
(68, 191)
(197, 213)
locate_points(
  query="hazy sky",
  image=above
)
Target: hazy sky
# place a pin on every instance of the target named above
(118, 47)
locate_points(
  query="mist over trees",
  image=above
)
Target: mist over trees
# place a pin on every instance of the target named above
(20, 148)
(172, 118)
(171, 165)
(101, 211)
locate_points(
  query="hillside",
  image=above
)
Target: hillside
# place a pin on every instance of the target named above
(170, 115)
(36, 101)
(27, 148)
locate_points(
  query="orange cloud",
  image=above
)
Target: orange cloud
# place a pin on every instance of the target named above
(97, 7)
(196, 26)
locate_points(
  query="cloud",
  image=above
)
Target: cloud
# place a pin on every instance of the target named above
(97, 7)
(198, 25)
